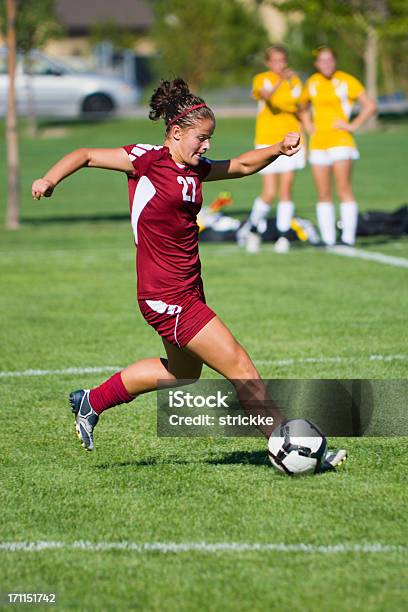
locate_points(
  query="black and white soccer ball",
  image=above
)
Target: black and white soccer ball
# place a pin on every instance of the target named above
(297, 447)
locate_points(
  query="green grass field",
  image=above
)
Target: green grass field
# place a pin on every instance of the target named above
(67, 300)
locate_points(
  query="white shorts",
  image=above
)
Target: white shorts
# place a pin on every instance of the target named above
(326, 157)
(284, 163)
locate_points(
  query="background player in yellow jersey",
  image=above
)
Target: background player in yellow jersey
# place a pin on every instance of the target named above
(327, 100)
(278, 91)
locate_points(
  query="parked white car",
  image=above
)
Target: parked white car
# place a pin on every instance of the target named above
(60, 91)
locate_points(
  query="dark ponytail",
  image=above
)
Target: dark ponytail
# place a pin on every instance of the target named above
(173, 98)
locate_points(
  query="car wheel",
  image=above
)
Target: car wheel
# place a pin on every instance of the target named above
(98, 105)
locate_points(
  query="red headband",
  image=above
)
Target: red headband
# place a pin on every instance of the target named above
(185, 112)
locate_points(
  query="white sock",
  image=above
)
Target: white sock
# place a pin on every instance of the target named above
(284, 214)
(348, 216)
(260, 210)
(326, 220)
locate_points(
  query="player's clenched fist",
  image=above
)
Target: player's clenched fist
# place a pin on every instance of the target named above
(290, 144)
(42, 187)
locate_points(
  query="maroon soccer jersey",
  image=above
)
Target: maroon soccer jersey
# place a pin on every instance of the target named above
(164, 199)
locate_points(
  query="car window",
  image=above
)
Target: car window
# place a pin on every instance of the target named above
(41, 66)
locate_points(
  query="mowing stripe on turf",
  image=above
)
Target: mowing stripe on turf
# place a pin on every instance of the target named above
(206, 547)
(346, 251)
(276, 362)
(74, 371)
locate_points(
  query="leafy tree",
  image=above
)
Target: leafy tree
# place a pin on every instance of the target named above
(303, 37)
(36, 23)
(206, 41)
(365, 27)
(103, 31)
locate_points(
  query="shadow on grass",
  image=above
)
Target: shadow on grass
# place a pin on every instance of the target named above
(240, 457)
(235, 458)
(378, 240)
(90, 120)
(363, 241)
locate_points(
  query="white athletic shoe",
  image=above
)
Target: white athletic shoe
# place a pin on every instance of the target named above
(282, 245)
(85, 417)
(253, 242)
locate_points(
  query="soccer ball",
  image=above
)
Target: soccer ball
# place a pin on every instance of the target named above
(297, 447)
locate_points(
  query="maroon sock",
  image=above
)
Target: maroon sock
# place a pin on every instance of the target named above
(110, 393)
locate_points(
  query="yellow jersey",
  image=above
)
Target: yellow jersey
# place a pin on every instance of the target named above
(276, 116)
(331, 99)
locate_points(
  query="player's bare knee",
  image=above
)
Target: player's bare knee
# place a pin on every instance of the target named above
(241, 365)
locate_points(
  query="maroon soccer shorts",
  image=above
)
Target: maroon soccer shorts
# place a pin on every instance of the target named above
(178, 320)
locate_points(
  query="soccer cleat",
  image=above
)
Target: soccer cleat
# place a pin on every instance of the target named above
(85, 417)
(253, 242)
(282, 245)
(333, 460)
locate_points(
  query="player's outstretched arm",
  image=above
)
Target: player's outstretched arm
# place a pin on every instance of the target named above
(253, 161)
(110, 159)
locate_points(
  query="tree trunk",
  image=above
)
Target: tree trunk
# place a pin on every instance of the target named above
(32, 123)
(371, 69)
(13, 166)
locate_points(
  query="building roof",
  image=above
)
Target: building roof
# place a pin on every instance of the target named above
(78, 16)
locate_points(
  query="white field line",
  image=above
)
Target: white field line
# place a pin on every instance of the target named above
(345, 251)
(206, 547)
(275, 362)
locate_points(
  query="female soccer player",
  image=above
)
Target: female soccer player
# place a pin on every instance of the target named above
(164, 184)
(278, 92)
(330, 94)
